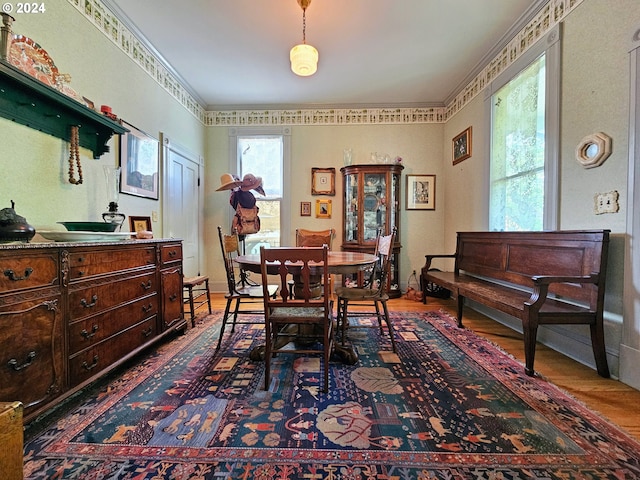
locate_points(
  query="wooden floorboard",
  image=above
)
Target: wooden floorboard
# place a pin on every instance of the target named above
(614, 400)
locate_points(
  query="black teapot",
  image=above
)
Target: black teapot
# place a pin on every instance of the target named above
(13, 227)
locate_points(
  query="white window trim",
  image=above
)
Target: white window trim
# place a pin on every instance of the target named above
(549, 44)
(285, 206)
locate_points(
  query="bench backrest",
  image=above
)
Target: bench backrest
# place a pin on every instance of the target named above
(514, 257)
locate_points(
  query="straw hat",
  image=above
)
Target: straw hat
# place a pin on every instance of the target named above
(251, 182)
(228, 182)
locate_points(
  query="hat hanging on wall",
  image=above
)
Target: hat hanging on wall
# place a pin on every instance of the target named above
(228, 182)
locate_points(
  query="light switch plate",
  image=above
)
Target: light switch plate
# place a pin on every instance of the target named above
(606, 202)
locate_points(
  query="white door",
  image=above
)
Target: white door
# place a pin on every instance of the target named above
(182, 205)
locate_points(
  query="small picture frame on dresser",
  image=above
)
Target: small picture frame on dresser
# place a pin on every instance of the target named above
(138, 224)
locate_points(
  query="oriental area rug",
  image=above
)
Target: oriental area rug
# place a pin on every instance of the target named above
(448, 405)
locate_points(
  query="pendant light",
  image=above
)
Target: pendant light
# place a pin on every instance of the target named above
(304, 58)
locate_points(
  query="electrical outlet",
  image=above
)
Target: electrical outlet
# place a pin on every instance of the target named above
(154, 216)
(606, 202)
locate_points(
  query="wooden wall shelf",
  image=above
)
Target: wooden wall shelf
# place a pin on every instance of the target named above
(26, 100)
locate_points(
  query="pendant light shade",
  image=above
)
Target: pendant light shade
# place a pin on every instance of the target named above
(304, 60)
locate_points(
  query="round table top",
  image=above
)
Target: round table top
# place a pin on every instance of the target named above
(339, 262)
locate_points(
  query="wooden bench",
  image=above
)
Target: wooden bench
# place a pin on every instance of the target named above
(552, 277)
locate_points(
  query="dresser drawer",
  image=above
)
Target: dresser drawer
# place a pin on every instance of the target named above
(31, 357)
(87, 263)
(171, 253)
(97, 297)
(24, 271)
(93, 360)
(93, 330)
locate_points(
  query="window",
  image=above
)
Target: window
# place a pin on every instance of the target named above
(523, 109)
(264, 153)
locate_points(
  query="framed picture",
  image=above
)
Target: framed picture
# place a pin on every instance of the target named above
(139, 159)
(323, 181)
(137, 224)
(305, 209)
(462, 146)
(323, 208)
(421, 192)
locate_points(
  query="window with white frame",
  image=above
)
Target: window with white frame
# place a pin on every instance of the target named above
(523, 107)
(264, 153)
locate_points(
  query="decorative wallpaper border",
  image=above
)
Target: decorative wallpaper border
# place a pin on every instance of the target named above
(107, 22)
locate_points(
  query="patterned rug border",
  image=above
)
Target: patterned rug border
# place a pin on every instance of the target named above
(490, 357)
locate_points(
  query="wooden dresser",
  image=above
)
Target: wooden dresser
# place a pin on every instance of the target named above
(71, 312)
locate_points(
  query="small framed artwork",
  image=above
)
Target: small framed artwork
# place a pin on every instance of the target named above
(139, 162)
(421, 192)
(323, 208)
(323, 181)
(137, 224)
(462, 146)
(305, 209)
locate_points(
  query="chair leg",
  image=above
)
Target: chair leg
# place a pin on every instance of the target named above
(193, 316)
(206, 283)
(224, 321)
(267, 355)
(388, 320)
(378, 315)
(235, 315)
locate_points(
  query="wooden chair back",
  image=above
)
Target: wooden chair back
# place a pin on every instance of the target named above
(314, 238)
(384, 252)
(230, 247)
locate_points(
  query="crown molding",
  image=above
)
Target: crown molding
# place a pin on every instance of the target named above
(539, 18)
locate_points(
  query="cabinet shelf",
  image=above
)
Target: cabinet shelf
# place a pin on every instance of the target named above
(26, 100)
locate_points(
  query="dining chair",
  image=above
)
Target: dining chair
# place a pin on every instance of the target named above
(373, 295)
(315, 238)
(304, 320)
(240, 290)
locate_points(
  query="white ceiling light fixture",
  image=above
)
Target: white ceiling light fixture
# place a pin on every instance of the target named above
(304, 58)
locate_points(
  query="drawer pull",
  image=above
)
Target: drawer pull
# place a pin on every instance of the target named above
(86, 366)
(173, 297)
(88, 335)
(146, 286)
(13, 363)
(147, 332)
(85, 304)
(12, 275)
(173, 253)
(147, 308)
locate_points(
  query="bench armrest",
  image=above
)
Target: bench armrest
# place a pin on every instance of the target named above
(429, 258)
(549, 279)
(541, 286)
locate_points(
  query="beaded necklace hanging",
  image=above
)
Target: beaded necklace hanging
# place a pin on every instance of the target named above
(74, 154)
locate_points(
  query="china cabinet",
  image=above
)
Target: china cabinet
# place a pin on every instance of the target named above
(71, 312)
(371, 207)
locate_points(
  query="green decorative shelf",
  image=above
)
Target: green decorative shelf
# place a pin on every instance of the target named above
(27, 101)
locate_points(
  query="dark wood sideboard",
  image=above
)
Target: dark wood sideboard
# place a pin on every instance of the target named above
(71, 312)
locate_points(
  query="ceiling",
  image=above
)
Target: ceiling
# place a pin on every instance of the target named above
(403, 53)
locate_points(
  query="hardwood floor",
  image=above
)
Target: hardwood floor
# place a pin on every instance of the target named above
(617, 402)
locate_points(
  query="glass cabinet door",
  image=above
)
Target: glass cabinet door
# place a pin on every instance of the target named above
(374, 209)
(351, 208)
